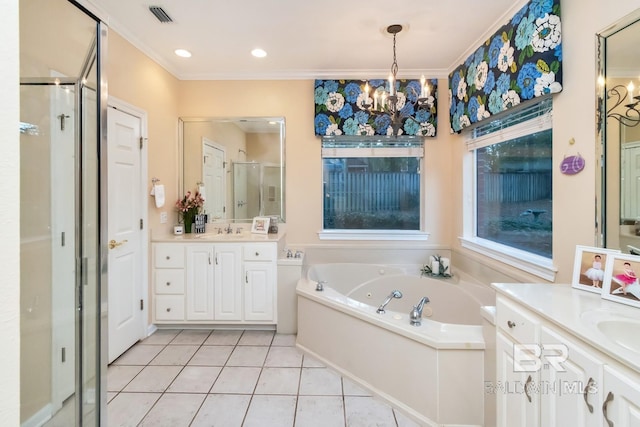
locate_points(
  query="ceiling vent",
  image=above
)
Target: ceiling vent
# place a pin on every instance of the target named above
(159, 13)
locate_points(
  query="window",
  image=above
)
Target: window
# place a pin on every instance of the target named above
(512, 187)
(372, 186)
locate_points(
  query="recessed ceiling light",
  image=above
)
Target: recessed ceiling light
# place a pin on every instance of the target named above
(183, 53)
(258, 53)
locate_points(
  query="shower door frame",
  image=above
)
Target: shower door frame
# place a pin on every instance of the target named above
(81, 265)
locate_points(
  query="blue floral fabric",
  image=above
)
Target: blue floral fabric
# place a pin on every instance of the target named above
(521, 61)
(340, 108)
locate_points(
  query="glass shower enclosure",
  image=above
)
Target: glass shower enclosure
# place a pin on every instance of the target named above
(256, 189)
(60, 134)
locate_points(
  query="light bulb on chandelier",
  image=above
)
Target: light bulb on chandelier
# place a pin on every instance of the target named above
(619, 94)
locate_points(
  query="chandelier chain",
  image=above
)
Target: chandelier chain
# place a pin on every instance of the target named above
(394, 65)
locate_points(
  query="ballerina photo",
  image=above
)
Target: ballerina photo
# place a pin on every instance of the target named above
(589, 263)
(621, 282)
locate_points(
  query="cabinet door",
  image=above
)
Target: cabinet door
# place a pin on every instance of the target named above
(621, 395)
(228, 282)
(517, 397)
(259, 282)
(199, 285)
(570, 383)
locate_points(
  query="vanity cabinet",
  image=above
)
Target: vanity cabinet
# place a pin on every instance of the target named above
(260, 282)
(517, 402)
(168, 283)
(228, 282)
(199, 282)
(551, 371)
(214, 283)
(570, 382)
(621, 397)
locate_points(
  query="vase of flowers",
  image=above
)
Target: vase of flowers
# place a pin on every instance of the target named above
(188, 207)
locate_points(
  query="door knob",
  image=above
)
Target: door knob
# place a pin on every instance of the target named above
(114, 244)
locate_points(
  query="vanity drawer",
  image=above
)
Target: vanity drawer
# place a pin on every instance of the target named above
(169, 281)
(169, 255)
(257, 252)
(169, 307)
(517, 323)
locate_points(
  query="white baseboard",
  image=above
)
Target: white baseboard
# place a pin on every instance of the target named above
(39, 418)
(151, 329)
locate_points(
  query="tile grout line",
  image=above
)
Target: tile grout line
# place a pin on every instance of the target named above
(172, 381)
(270, 346)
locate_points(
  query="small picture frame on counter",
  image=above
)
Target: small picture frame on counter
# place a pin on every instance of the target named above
(588, 267)
(621, 279)
(260, 225)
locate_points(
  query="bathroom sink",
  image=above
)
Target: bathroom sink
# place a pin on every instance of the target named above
(622, 331)
(617, 329)
(216, 236)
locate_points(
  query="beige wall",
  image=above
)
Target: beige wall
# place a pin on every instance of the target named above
(574, 118)
(260, 147)
(294, 101)
(136, 79)
(290, 99)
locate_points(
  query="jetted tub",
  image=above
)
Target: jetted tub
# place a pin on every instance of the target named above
(433, 372)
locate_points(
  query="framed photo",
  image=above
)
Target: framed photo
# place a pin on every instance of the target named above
(588, 267)
(621, 280)
(260, 225)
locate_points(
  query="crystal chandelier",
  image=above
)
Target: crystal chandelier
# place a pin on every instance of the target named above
(390, 103)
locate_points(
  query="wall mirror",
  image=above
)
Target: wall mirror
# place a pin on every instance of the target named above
(237, 162)
(618, 133)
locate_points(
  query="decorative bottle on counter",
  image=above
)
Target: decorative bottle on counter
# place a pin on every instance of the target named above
(273, 225)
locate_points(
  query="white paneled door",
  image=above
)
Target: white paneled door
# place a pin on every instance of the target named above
(124, 232)
(213, 166)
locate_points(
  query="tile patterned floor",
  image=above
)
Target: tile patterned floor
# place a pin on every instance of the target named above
(222, 378)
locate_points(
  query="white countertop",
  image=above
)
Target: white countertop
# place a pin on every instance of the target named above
(576, 312)
(213, 236)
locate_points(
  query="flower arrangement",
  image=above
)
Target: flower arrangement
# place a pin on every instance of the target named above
(188, 207)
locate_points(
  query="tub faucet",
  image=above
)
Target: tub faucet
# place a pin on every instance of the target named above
(393, 294)
(415, 316)
(229, 230)
(320, 285)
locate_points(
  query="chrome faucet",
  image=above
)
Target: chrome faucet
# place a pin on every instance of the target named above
(229, 229)
(320, 285)
(415, 316)
(393, 294)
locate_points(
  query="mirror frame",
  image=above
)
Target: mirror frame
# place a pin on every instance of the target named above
(602, 200)
(180, 154)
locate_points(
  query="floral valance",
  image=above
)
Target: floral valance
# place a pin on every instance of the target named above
(339, 108)
(521, 61)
